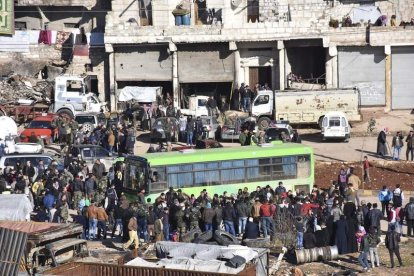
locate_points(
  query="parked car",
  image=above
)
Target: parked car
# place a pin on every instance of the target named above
(90, 153)
(158, 129)
(42, 128)
(228, 130)
(210, 126)
(11, 159)
(90, 121)
(281, 128)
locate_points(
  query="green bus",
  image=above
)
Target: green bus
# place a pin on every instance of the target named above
(222, 169)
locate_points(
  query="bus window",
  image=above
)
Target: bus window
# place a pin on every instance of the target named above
(178, 180)
(232, 175)
(303, 166)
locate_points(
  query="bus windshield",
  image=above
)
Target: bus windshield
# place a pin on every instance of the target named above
(136, 175)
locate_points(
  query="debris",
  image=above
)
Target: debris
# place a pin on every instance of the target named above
(22, 87)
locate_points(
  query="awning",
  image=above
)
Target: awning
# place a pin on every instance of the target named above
(139, 94)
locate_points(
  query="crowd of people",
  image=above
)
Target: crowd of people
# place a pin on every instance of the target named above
(322, 217)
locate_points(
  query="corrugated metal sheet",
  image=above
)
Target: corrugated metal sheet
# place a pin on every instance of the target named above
(363, 67)
(12, 245)
(402, 77)
(94, 269)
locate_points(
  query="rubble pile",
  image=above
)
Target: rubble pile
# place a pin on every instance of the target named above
(18, 87)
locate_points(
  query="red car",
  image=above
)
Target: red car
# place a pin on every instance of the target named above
(42, 127)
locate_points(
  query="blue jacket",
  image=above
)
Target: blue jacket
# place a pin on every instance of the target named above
(385, 195)
(48, 201)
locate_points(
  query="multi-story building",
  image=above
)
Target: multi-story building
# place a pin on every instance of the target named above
(66, 36)
(225, 43)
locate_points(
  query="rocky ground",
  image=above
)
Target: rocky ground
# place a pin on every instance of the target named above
(381, 173)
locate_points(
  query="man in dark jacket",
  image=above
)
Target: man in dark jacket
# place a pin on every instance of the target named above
(309, 240)
(229, 215)
(211, 106)
(252, 230)
(409, 217)
(208, 216)
(392, 242)
(242, 211)
(374, 218)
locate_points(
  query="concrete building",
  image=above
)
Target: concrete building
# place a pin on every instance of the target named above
(262, 41)
(50, 33)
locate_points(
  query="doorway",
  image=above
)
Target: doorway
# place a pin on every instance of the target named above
(260, 75)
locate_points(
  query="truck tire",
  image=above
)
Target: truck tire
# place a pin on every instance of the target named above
(65, 113)
(263, 123)
(224, 238)
(191, 235)
(205, 236)
(87, 127)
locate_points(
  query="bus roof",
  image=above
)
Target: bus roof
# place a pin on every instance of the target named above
(209, 155)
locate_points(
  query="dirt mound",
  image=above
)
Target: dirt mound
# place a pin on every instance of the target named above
(382, 173)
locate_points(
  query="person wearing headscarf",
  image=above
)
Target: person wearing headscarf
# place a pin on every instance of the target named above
(382, 143)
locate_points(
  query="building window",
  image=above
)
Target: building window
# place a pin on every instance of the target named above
(19, 25)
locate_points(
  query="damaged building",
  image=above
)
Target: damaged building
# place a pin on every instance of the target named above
(211, 47)
(54, 37)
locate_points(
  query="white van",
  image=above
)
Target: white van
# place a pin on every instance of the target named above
(335, 125)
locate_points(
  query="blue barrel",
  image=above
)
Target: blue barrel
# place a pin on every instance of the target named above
(178, 20)
(186, 19)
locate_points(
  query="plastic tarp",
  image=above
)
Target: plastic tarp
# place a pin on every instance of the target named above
(15, 207)
(189, 264)
(365, 13)
(139, 94)
(8, 127)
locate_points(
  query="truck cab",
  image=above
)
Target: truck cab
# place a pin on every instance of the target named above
(71, 96)
(335, 125)
(197, 106)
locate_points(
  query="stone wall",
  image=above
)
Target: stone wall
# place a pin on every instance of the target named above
(83, 3)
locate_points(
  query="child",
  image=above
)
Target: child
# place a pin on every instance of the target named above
(360, 234)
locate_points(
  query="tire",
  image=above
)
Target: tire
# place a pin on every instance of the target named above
(224, 238)
(65, 113)
(191, 235)
(263, 123)
(320, 122)
(87, 127)
(205, 236)
(257, 243)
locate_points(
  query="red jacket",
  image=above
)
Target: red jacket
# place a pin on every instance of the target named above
(267, 210)
(306, 207)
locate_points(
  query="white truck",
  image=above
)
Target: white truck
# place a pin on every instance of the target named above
(71, 97)
(304, 107)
